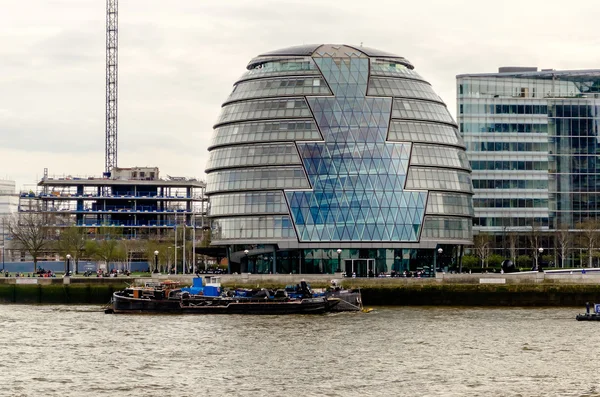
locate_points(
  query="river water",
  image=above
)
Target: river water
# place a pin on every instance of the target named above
(80, 351)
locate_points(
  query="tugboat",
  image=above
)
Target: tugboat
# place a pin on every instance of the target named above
(589, 316)
(169, 297)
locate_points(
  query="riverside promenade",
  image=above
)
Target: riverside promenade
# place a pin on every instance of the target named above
(569, 288)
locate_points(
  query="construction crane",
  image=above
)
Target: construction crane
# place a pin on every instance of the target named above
(112, 58)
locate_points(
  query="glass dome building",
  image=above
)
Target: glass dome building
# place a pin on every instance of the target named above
(333, 158)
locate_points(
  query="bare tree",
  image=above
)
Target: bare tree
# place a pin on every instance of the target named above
(106, 247)
(564, 240)
(72, 241)
(131, 246)
(589, 234)
(482, 247)
(535, 243)
(513, 240)
(29, 231)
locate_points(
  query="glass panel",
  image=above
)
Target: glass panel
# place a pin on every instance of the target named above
(357, 177)
(292, 86)
(253, 155)
(257, 178)
(267, 131)
(282, 67)
(264, 109)
(380, 67)
(436, 227)
(275, 227)
(420, 110)
(449, 204)
(438, 179)
(442, 156)
(401, 88)
(413, 131)
(248, 203)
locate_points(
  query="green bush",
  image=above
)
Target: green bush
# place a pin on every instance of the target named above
(470, 261)
(494, 260)
(524, 261)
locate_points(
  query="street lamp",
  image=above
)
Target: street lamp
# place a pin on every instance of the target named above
(68, 264)
(246, 253)
(537, 259)
(339, 252)
(155, 261)
(2, 259)
(435, 255)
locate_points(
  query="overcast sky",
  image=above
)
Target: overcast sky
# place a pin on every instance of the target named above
(178, 60)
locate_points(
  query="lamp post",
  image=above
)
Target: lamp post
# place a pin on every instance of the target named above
(246, 253)
(537, 259)
(68, 265)
(435, 255)
(155, 261)
(2, 259)
(339, 252)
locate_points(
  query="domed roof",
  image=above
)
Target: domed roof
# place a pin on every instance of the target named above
(310, 49)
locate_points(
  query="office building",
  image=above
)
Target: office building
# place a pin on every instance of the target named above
(334, 157)
(532, 140)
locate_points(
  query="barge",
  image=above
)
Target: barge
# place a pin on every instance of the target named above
(169, 297)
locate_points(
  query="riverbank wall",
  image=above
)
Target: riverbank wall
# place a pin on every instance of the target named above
(534, 289)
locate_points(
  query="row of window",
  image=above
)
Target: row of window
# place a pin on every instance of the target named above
(574, 127)
(248, 203)
(264, 109)
(266, 131)
(516, 87)
(438, 179)
(483, 126)
(507, 147)
(481, 108)
(276, 227)
(477, 165)
(509, 184)
(279, 87)
(359, 232)
(401, 88)
(510, 203)
(510, 222)
(414, 131)
(451, 228)
(439, 156)
(282, 67)
(449, 204)
(578, 183)
(572, 164)
(420, 110)
(253, 155)
(380, 67)
(256, 179)
(574, 110)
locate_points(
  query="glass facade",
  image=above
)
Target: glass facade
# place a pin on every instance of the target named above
(532, 139)
(317, 153)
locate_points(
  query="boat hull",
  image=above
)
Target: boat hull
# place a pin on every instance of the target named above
(588, 317)
(127, 304)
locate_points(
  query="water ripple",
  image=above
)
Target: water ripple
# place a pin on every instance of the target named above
(79, 351)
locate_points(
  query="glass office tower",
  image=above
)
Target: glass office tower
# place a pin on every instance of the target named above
(532, 139)
(328, 157)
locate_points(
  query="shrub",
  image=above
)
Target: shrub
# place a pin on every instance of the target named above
(524, 261)
(470, 261)
(494, 260)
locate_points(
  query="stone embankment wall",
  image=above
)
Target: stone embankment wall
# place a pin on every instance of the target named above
(523, 289)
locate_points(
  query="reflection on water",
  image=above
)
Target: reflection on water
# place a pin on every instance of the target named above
(79, 351)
